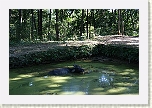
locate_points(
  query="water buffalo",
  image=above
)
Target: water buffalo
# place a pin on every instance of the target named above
(65, 71)
(78, 69)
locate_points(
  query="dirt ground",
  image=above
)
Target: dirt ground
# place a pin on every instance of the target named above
(115, 39)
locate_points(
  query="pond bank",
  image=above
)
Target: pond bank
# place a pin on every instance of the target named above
(64, 53)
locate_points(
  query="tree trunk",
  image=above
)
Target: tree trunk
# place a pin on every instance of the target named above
(82, 27)
(32, 21)
(56, 25)
(87, 25)
(92, 18)
(40, 29)
(122, 22)
(123, 28)
(18, 31)
(40, 24)
(49, 25)
(10, 11)
(119, 21)
(36, 28)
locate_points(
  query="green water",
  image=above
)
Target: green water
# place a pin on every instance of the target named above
(99, 78)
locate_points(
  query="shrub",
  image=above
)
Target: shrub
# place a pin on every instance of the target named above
(122, 52)
(75, 52)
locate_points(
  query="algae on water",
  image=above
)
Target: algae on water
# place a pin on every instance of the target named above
(98, 79)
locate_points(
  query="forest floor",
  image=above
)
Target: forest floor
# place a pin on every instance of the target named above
(44, 46)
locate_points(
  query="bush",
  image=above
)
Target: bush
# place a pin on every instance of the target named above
(122, 52)
(76, 52)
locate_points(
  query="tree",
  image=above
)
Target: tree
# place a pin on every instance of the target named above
(82, 23)
(32, 25)
(63, 24)
(57, 25)
(122, 27)
(49, 25)
(35, 26)
(10, 18)
(87, 25)
(18, 30)
(119, 21)
(40, 24)
(92, 18)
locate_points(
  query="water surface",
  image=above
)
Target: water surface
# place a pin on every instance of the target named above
(99, 78)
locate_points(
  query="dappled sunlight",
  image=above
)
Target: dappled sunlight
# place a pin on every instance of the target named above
(73, 51)
(97, 79)
(72, 93)
(123, 84)
(25, 76)
(116, 90)
(22, 76)
(124, 73)
(129, 70)
(15, 78)
(98, 89)
(132, 73)
(125, 40)
(54, 85)
(60, 79)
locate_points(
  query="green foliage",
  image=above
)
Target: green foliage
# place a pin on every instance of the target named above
(122, 52)
(100, 22)
(130, 54)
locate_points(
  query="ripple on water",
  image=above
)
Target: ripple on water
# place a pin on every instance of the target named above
(105, 79)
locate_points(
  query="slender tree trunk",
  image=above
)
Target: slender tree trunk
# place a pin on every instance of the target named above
(92, 18)
(56, 25)
(123, 30)
(40, 24)
(119, 21)
(49, 25)
(122, 22)
(87, 25)
(10, 11)
(18, 32)
(32, 21)
(82, 27)
(38, 13)
(40, 29)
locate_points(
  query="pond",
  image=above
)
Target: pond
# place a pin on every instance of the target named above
(99, 78)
